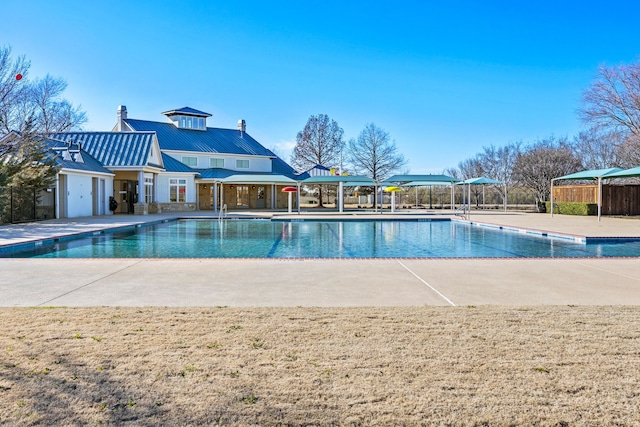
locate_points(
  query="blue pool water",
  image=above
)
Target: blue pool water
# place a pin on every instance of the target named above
(322, 239)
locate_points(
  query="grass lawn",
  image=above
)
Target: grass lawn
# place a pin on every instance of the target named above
(480, 365)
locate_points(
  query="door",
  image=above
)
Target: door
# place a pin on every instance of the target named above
(242, 196)
(261, 203)
(101, 201)
(125, 195)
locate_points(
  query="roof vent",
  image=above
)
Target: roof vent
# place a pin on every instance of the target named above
(242, 126)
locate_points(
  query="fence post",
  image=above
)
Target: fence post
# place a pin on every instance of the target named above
(34, 203)
(11, 204)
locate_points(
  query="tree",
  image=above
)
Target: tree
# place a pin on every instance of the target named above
(542, 161)
(613, 100)
(598, 148)
(374, 154)
(31, 109)
(499, 164)
(319, 143)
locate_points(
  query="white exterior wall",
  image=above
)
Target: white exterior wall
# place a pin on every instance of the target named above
(256, 163)
(163, 187)
(79, 198)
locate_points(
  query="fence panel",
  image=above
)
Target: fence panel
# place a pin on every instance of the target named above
(616, 199)
(23, 204)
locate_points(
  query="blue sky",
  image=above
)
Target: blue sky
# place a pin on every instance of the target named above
(444, 78)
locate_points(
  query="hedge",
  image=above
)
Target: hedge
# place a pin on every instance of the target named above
(573, 208)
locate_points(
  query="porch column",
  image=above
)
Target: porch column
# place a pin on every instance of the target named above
(141, 208)
(215, 197)
(154, 191)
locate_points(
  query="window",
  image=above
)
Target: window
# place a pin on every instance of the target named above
(186, 122)
(148, 190)
(242, 164)
(177, 190)
(216, 163)
(190, 161)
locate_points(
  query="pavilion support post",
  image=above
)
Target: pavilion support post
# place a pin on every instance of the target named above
(551, 198)
(453, 206)
(599, 197)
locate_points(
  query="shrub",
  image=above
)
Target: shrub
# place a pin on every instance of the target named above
(573, 208)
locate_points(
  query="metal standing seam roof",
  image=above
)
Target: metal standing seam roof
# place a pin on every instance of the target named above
(173, 165)
(211, 140)
(113, 148)
(187, 111)
(88, 164)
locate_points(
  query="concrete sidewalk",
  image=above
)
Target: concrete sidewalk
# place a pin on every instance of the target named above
(237, 282)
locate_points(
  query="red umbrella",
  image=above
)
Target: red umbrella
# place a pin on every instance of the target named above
(289, 190)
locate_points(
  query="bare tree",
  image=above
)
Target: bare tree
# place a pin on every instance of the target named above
(598, 148)
(374, 154)
(499, 163)
(35, 107)
(319, 143)
(613, 100)
(542, 161)
(31, 109)
(628, 153)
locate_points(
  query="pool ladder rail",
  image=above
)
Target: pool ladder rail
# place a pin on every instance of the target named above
(462, 212)
(223, 212)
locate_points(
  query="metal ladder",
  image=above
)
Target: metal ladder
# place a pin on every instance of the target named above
(223, 212)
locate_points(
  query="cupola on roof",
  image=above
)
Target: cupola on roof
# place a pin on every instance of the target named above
(186, 111)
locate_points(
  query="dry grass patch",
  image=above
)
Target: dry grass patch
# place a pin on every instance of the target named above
(317, 366)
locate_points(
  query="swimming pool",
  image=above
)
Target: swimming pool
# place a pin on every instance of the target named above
(321, 239)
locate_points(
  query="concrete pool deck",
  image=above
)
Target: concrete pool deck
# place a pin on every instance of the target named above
(317, 282)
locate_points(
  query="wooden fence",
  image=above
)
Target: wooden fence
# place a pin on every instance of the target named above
(616, 199)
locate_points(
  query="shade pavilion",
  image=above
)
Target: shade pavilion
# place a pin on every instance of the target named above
(341, 181)
(482, 181)
(423, 181)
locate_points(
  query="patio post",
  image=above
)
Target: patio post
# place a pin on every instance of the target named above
(599, 196)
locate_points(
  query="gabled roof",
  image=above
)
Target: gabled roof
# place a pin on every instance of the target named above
(212, 140)
(113, 148)
(279, 166)
(187, 111)
(88, 163)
